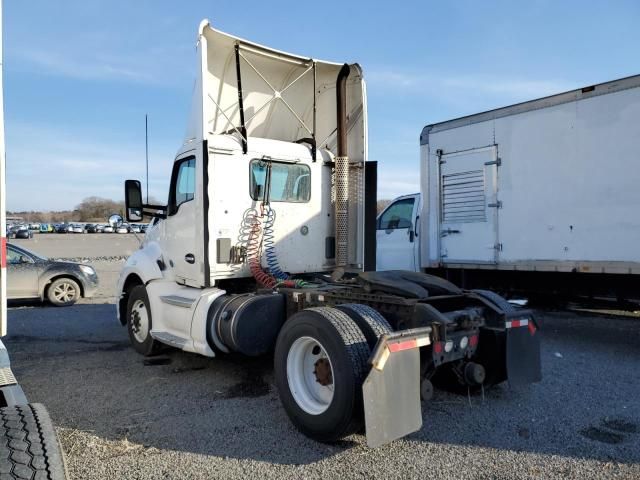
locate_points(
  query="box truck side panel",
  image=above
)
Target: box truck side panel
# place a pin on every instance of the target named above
(566, 192)
(568, 181)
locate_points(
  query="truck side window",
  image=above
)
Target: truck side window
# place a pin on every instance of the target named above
(397, 215)
(183, 184)
(289, 182)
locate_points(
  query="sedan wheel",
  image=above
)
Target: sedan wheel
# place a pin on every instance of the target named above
(63, 292)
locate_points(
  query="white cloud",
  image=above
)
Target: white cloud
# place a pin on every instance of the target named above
(54, 169)
(452, 86)
(402, 180)
(93, 61)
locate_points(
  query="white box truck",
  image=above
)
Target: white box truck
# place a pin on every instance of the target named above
(29, 446)
(265, 243)
(542, 195)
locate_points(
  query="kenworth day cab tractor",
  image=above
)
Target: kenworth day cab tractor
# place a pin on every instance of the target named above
(267, 243)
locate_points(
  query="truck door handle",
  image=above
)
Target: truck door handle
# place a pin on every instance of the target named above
(190, 258)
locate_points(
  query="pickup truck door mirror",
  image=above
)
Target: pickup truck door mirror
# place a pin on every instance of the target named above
(133, 200)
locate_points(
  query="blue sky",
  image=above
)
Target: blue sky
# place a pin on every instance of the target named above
(80, 75)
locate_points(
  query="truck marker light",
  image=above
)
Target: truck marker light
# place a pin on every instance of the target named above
(437, 347)
(406, 345)
(532, 328)
(473, 341)
(448, 346)
(464, 342)
(398, 346)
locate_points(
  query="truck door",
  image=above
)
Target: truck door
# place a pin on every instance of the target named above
(469, 206)
(182, 231)
(395, 235)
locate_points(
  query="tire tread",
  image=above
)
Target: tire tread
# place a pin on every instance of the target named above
(30, 445)
(496, 299)
(369, 321)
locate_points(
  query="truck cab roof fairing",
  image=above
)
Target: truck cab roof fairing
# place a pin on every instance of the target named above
(279, 93)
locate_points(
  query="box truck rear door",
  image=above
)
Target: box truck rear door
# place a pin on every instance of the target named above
(468, 206)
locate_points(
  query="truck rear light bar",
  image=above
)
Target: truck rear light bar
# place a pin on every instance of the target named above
(398, 342)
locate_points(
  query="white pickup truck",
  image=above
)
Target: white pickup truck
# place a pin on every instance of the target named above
(541, 196)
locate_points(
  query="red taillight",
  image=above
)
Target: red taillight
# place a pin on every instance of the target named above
(532, 328)
(437, 347)
(473, 340)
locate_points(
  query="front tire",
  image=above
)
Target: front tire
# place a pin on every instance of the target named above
(63, 292)
(139, 321)
(320, 363)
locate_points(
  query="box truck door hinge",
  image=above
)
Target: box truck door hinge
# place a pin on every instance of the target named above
(498, 204)
(497, 162)
(498, 246)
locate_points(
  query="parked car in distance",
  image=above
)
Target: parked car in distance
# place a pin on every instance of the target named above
(32, 276)
(122, 229)
(136, 228)
(78, 229)
(24, 233)
(61, 228)
(90, 228)
(107, 229)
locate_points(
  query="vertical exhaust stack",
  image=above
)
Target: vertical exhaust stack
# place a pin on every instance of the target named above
(341, 171)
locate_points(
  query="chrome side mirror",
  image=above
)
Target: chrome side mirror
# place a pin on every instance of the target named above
(115, 220)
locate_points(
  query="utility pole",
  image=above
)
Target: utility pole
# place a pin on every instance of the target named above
(3, 198)
(146, 148)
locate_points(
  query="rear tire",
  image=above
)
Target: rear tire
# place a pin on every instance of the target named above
(30, 446)
(139, 322)
(370, 321)
(322, 397)
(63, 292)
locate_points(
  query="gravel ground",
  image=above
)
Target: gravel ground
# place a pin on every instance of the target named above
(181, 416)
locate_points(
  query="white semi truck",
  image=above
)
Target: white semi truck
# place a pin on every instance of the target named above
(267, 242)
(541, 196)
(29, 446)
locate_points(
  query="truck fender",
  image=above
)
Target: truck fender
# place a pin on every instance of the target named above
(141, 267)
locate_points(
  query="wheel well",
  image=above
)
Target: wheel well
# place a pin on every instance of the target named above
(45, 291)
(132, 280)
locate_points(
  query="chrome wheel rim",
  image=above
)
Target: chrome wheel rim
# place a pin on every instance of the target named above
(139, 321)
(310, 375)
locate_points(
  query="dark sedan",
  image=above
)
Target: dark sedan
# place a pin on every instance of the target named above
(30, 275)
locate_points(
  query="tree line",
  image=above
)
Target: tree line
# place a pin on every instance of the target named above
(98, 209)
(91, 209)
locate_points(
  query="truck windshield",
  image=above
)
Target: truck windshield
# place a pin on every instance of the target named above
(289, 182)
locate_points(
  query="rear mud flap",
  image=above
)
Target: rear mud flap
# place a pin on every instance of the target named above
(523, 353)
(391, 391)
